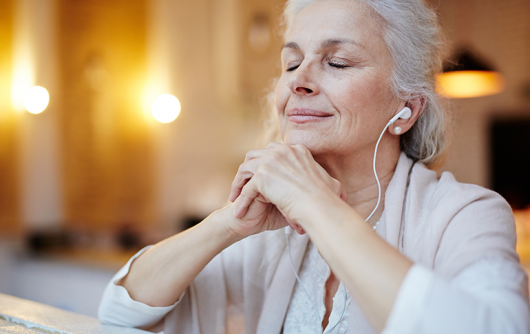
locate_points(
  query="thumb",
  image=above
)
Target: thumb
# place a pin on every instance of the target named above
(344, 196)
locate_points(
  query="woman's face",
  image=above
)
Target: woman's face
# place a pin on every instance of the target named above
(334, 94)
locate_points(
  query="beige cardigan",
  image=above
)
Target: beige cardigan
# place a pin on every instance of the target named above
(441, 224)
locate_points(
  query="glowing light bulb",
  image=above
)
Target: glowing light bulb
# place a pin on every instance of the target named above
(36, 99)
(466, 84)
(165, 108)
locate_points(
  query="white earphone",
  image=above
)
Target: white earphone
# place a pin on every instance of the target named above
(405, 113)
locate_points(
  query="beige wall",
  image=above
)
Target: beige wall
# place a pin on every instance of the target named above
(199, 53)
(97, 159)
(106, 142)
(500, 32)
(9, 174)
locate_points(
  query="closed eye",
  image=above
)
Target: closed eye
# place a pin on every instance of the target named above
(336, 65)
(292, 68)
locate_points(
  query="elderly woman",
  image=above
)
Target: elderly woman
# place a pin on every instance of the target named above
(357, 83)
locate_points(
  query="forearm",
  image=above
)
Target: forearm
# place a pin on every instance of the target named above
(160, 275)
(370, 268)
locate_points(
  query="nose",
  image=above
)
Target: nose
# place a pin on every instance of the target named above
(302, 81)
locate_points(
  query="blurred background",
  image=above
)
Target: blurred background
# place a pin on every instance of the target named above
(94, 165)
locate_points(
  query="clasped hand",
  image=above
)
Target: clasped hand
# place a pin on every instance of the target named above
(276, 186)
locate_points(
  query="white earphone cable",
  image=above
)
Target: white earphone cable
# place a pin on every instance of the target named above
(370, 216)
(298, 278)
(375, 173)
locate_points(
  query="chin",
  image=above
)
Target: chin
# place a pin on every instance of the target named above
(314, 143)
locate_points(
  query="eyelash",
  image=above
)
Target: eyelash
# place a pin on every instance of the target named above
(335, 65)
(292, 68)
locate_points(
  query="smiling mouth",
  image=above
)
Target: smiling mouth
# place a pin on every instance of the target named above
(307, 115)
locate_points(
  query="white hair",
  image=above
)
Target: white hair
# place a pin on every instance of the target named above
(413, 37)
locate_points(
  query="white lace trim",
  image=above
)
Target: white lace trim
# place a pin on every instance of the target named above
(301, 316)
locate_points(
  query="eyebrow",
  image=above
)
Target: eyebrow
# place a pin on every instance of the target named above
(325, 44)
(334, 42)
(291, 45)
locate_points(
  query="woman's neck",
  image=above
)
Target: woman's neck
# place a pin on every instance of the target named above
(356, 174)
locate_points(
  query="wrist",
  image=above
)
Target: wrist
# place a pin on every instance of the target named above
(327, 212)
(222, 222)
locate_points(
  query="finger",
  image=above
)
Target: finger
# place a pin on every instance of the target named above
(247, 196)
(253, 154)
(245, 173)
(335, 184)
(299, 229)
(295, 226)
(303, 153)
(247, 168)
(273, 144)
(238, 184)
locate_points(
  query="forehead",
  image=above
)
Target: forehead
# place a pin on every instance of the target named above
(337, 19)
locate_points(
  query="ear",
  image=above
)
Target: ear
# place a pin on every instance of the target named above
(416, 105)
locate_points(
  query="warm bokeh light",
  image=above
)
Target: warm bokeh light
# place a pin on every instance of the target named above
(466, 84)
(165, 108)
(522, 227)
(36, 99)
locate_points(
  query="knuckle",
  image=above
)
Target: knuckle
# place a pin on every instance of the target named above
(300, 147)
(242, 168)
(257, 173)
(276, 155)
(289, 150)
(261, 174)
(284, 148)
(249, 155)
(336, 184)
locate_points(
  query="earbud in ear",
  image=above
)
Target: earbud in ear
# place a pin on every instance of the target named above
(405, 113)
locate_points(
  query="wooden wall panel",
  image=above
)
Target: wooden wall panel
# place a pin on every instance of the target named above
(9, 177)
(106, 144)
(260, 63)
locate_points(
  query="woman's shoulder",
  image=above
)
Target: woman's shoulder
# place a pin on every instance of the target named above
(425, 191)
(460, 223)
(445, 192)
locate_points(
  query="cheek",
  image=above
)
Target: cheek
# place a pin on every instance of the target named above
(362, 95)
(362, 103)
(281, 95)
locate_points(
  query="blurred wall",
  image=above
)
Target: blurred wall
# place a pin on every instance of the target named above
(106, 142)
(35, 64)
(200, 52)
(499, 31)
(9, 168)
(30, 188)
(96, 159)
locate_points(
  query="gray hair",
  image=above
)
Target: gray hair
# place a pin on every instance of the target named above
(413, 37)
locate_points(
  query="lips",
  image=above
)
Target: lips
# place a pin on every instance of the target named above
(299, 115)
